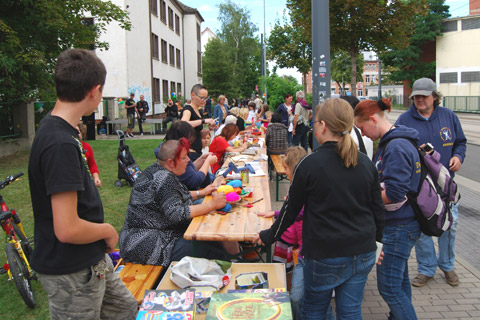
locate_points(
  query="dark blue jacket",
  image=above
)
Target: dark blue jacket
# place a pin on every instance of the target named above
(282, 109)
(443, 130)
(399, 168)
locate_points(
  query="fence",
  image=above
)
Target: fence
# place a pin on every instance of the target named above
(462, 104)
(7, 121)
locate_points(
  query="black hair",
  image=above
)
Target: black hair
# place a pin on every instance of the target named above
(351, 99)
(276, 118)
(181, 129)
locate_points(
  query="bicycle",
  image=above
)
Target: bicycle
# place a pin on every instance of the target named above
(18, 248)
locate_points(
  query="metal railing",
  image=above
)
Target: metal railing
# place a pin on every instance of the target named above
(462, 104)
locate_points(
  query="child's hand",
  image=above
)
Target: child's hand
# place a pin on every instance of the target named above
(266, 214)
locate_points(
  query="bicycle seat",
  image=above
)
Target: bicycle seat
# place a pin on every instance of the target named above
(4, 215)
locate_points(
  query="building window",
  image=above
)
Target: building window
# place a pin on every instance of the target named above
(359, 92)
(471, 76)
(163, 11)
(199, 62)
(164, 51)
(448, 77)
(155, 46)
(179, 61)
(179, 89)
(172, 86)
(367, 78)
(470, 24)
(170, 18)
(450, 26)
(156, 90)
(172, 55)
(177, 24)
(153, 7)
(198, 33)
(165, 90)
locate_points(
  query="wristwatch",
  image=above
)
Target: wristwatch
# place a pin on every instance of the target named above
(203, 121)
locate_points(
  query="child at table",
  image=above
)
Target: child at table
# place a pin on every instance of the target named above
(220, 146)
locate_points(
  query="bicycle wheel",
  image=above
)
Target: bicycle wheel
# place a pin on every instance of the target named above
(27, 248)
(20, 275)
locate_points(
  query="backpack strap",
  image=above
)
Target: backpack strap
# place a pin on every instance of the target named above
(360, 141)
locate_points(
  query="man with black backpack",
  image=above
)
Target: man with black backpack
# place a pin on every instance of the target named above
(440, 127)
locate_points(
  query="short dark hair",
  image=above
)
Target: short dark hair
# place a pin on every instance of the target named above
(352, 100)
(288, 95)
(181, 129)
(76, 73)
(196, 88)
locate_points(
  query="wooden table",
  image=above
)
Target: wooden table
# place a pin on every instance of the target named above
(241, 223)
(275, 271)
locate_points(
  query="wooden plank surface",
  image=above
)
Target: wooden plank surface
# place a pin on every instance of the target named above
(278, 163)
(138, 278)
(241, 223)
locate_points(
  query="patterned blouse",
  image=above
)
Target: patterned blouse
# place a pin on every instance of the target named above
(157, 216)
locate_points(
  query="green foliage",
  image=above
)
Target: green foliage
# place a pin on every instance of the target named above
(341, 67)
(355, 25)
(231, 64)
(34, 32)
(406, 64)
(278, 87)
(17, 196)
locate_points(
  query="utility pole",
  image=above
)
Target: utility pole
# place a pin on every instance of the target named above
(264, 54)
(379, 78)
(320, 54)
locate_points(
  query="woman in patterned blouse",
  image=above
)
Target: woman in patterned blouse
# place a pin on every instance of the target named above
(161, 208)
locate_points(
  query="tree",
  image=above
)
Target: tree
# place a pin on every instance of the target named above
(341, 68)
(357, 25)
(406, 64)
(287, 53)
(242, 48)
(34, 32)
(217, 69)
(278, 87)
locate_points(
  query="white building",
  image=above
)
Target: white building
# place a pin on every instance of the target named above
(160, 55)
(207, 35)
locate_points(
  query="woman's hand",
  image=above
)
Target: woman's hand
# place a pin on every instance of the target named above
(267, 214)
(258, 240)
(380, 258)
(208, 190)
(218, 200)
(211, 159)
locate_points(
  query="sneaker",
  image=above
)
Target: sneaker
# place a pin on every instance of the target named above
(421, 280)
(141, 134)
(451, 277)
(131, 135)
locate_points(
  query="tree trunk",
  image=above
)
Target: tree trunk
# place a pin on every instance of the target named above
(304, 82)
(353, 83)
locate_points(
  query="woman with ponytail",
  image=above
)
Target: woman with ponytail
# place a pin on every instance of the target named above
(398, 166)
(343, 216)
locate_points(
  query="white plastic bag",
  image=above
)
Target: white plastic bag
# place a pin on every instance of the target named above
(201, 272)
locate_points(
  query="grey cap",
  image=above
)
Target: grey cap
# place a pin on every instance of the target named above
(423, 87)
(230, 119)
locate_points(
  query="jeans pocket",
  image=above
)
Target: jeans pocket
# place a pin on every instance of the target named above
(414, 235)
(366, 263)
(327, 274)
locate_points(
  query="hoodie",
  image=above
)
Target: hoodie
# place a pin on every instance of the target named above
(398, 166)
(443, 130)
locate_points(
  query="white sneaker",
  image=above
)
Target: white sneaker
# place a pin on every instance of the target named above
(131, 135)
(141, 134)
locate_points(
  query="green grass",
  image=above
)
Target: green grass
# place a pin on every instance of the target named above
(17, 196)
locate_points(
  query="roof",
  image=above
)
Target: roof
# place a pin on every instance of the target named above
(189, 10)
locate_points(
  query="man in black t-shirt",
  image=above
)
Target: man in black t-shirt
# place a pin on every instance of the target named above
(172, 114)
(131, 107)
(71, 237)
(142, 108)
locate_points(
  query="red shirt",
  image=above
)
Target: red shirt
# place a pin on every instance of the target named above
(92, 165)
(218, 147)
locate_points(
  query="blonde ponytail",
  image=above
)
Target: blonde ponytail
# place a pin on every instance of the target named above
(338, 117)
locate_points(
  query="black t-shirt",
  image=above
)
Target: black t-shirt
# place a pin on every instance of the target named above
(240, 124)
(130, 102)
(197, 144)
(57, 164)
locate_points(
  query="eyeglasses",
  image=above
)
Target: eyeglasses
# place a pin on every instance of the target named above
(202, 98)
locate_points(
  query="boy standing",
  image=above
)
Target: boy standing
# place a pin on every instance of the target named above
(71, 237)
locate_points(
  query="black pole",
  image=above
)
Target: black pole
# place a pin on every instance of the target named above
(320, 54)
(379, 78)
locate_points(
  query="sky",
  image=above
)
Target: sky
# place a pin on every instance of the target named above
(273, 11)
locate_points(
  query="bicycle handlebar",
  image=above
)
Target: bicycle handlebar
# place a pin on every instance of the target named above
(10, 179)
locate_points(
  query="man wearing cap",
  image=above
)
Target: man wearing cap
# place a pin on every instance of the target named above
(441, 127)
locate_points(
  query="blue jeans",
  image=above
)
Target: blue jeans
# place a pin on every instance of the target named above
(290, 138)
(347, 275)
(296, 293)
(425, 250)
(392, 275)
(301, 135)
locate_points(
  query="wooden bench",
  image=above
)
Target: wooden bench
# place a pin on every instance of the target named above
(138, 278)
(281, 173)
